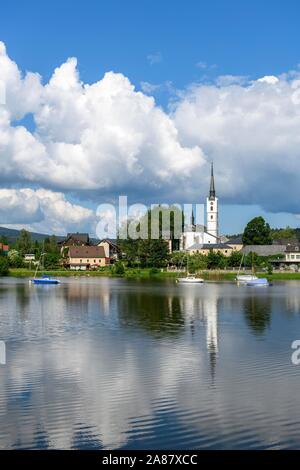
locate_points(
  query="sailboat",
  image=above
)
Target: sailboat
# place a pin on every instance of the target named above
(245, 278)
(190, 278)
(45, 279)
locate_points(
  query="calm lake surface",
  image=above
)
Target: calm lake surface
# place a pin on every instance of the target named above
(99, 363)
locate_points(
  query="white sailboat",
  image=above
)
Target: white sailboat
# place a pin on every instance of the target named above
(244, 278)
(190, 278)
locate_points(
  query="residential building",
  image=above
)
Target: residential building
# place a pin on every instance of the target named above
(4, 249)
(235, 243)
(264, 250)
(86, 257)
(29, 257)
(74, 239)
(204, 249)
(111, 249)
(291, 258)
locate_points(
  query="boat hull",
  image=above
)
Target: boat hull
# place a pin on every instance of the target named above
(45, 281)
(244, 279)
(190, 281)
(262, 282)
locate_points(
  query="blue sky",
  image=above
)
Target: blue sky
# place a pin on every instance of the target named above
(163, 48)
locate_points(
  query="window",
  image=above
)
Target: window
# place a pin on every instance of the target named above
(211, 217)
(298, 256)
(292, 256)
(94, 261)
(211, 208)
(81, 261)
(88, 261)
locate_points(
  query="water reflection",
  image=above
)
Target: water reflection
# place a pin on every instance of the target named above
(257, 311)
(118, 364)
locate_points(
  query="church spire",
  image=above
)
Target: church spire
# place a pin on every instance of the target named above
(212, 191)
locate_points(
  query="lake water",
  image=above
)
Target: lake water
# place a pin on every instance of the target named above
(99, 363)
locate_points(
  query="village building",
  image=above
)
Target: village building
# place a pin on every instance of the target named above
(4, 249)
(82, 258)
(29, 257)
(235, 243)
(264, 250)
(205, 249)
(74, 239)
(111, 249)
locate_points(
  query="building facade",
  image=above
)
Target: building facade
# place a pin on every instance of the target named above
(82, 258)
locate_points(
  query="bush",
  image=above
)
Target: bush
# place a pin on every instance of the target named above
(118, 269)
(16, 262)
(4, 267)
(154, 271)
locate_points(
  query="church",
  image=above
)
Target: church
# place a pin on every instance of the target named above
(195, 237)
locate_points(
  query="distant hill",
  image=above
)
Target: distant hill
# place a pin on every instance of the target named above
(13, 234)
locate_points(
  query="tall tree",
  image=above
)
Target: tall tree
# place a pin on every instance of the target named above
(24, 242)
(257, 232)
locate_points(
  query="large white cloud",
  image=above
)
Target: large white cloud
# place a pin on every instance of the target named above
(43, 211)
(251, 131)
(106, 138)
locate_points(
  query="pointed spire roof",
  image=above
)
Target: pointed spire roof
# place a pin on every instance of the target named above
(212, 191)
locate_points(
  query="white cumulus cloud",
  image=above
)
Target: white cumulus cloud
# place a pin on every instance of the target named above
(106, 138)
(43, 210)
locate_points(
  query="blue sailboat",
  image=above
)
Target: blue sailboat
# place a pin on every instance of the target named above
(45, 279)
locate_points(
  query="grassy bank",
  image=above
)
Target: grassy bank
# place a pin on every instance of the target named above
(148, 273)
(145, 273)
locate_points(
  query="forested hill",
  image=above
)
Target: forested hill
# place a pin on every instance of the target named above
(11, 235)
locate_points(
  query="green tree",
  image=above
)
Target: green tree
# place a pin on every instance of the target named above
(257, 232)
(4, 239)
(50, 244)
(118, 269)
(179, 259)
(287, 232)
(234, 260)
(4, 267)
(24, 242)
(51, 260)
(15, 260)
(216, 260)
(196, 262)
(145, 251)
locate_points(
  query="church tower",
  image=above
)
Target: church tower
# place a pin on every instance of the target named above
(212, 224)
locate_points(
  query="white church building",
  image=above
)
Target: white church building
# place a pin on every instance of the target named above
(195, 236)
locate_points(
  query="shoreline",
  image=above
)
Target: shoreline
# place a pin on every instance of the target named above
(148, 273)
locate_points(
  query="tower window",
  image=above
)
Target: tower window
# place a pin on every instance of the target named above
(211, 217)
(211, 208)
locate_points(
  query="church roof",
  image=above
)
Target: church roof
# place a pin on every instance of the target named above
(212, 190)
(209, 246)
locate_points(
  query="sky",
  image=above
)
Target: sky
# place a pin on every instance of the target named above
(101, 99)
